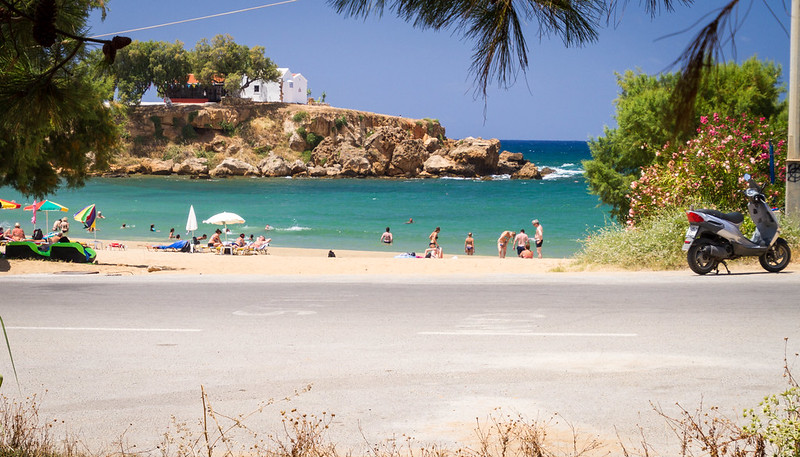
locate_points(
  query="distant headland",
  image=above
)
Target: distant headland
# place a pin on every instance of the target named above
(244, 138)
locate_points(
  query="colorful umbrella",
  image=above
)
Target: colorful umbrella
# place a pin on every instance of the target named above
(5, 204)
(87, 216)
(46, 206)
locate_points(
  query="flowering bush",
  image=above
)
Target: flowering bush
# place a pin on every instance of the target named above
(708, 169)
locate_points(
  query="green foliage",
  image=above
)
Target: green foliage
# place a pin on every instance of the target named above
(300, 116)
(340, 122)
(654, 244)
(229, 128)
(646, 123)
(778, 421)
(313, 140)
(10, 355)
(146, 63)
(159, 133)
(262, 150)
(305, 156)
(302, 132)
(708, 169)
(171, 152)
(238, 64)
(53, 124)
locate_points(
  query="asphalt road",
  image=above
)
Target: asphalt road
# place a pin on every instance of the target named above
(116, 358)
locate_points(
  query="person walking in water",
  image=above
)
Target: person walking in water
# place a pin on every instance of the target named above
(386, 237)
(538, 237)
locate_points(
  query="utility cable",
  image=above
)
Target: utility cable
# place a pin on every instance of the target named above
(196, 18)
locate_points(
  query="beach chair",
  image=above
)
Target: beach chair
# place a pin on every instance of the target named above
(115, 245)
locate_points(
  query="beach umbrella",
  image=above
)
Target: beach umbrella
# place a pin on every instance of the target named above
(88, 216)
(224, 219)
(5, 204)
(191, 223)
(46, 206)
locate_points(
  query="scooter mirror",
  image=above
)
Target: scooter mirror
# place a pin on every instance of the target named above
(746, 176)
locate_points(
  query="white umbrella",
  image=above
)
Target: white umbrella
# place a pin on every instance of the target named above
(191, 224)
(224, 219)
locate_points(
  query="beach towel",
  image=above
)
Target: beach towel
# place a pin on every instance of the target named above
(182, 246)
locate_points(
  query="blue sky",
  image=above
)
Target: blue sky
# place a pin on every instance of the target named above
(384, 65)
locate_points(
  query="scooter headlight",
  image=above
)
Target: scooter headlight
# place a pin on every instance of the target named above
(750, 192)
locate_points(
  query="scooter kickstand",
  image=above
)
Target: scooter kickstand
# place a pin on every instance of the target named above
(724, 265)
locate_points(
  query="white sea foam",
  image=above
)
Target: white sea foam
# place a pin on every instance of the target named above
(565, 171)
(294, 228)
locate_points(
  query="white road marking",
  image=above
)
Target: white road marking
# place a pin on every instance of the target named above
(501, 333)
(110, 329)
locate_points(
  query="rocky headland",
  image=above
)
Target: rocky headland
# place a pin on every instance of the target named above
(275, 139)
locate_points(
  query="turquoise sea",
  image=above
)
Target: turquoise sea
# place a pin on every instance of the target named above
(350, 213)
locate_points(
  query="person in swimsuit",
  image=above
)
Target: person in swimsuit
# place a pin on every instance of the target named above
(434, 237)
(469, 244)
(520, 241)
(538, 237)
(214, 241)
(387, 236)
(502, 243)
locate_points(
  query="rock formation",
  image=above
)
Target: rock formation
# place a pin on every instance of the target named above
(275, 139)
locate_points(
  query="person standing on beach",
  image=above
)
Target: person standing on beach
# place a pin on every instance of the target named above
(502, 243)
(469, 244)
(386, 237)
(520, 241)
(434, 238)
(538, 237)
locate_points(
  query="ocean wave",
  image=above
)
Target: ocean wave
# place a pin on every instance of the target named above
(294, 228)
(563, 173)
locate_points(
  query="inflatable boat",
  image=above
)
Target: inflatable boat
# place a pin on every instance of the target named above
(68, 252)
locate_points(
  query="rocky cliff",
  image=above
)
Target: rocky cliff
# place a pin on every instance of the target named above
(276, 139)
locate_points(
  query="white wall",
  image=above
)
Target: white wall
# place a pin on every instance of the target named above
(294, 89)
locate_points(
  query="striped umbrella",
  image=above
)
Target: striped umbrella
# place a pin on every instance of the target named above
(87, 216)
(5, 204)
(46, 206)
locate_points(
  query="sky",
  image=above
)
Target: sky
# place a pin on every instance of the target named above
(385, 65)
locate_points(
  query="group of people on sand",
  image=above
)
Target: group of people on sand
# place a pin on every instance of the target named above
(521, 242)
(241, 241)
(57, 235)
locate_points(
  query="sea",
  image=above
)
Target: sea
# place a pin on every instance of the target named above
(336, 214)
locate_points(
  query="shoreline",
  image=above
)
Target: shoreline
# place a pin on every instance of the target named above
(136, 259)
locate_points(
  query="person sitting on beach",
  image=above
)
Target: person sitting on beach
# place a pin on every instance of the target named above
(214, 241)
(64, 225)
(171, 233)
(57, 226)
(502, 243)
(526, 254)
(261, 241)
(241, 241)
(387, 236)
(17, 234)
(469, 244)
(434, 252)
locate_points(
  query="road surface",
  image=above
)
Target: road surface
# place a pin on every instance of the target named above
(115, 358)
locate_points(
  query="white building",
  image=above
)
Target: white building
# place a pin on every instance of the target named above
(291, 89)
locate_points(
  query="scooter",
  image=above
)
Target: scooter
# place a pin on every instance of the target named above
(714, 237)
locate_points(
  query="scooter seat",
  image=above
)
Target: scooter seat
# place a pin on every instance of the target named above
(734, 217)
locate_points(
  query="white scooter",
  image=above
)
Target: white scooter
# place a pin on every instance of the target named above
(714, 236)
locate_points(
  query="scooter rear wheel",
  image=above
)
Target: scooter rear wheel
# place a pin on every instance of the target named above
(698, 258)
(777, 258)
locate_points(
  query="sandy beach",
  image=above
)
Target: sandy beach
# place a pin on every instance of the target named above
(137, 259)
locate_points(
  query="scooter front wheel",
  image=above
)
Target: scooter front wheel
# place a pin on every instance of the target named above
(777, 257)
(699, 260)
